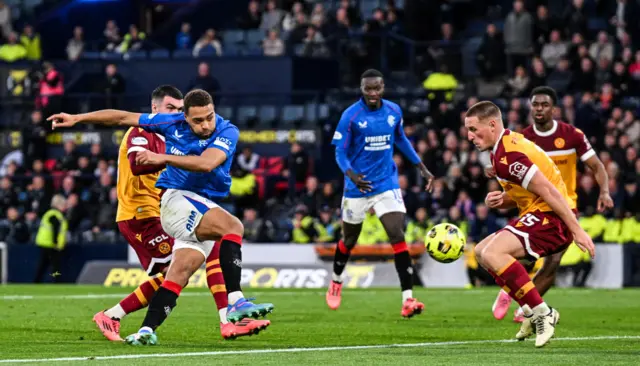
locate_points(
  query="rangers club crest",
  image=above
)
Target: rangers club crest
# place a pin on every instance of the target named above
(391, 120)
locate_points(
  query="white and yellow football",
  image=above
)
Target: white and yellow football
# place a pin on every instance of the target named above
(445, 242)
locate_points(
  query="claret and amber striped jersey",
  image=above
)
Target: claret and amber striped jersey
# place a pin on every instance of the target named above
(137, 195)
(564, 144)
(515, 161)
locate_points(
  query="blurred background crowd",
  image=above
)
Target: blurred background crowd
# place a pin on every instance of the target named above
(439, 57)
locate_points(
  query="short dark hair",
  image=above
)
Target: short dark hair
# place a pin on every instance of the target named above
(545, 90)
(196, 98)
(483, 110)
(371, 73)
(166, 91)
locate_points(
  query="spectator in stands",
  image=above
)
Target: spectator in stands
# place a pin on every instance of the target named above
(440, 85)
(96, 155)
(297, 168)
(305, 228)
(561, 77)
(51, 89)
(543, 24)
(12, 51)
(273, 45)
(490, 56)
(36, 196)
(553, 51)
(205, 81)
(585, 79)
(318, 15)
(256, 230)
(602, 48)
(208, 43)
(75, 47)
(314, 45)
(112, 36)
(575, 18)
(247, 160)
(68, 161)
(409, 197)
(620, 79)
(113, 86)
(329, 196)
(518, 86)
(418, 227)
(352, 13)
(132, 41)
(8, 195)
(51, 238)
(602, 73)
(634, 72)
(292, 18)
(31, 42)
(625, 18)
(252, 18)
(518, 31)
(328, 226)
(34, 138)
(103, 168)
(5, 20)
(183, 38)
(105, 226)
(272, 16)
(13, 229)
(310, 197)
(482, 225)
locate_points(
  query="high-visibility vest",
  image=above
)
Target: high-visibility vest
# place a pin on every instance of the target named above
(44, 238)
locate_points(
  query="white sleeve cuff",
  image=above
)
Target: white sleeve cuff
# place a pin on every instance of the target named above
(135, 149)
(588, 155)
(527, 178)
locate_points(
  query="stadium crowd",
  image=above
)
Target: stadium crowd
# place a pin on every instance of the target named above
(597, 73)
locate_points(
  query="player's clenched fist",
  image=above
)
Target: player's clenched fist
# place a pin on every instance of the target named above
(62, 120)
(149, 158)
(494, 199)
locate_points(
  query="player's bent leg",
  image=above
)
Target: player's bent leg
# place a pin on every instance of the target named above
(351, 228)
(393, 223)
(217, 224)
(187, 258)
(499, 256)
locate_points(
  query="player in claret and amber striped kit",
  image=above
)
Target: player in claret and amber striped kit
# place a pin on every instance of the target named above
(138, 219)
(546, 224)
(565, 145)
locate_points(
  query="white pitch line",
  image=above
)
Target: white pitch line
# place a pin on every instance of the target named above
(300, 350)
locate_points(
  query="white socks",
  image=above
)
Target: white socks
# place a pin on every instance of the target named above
(526, 310)
(223, 315)
(407, 294)
(542, 309)
(115, 312)
(234, 297)
(336, 278)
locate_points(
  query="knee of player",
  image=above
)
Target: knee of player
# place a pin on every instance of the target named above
(396, 236)
(235, 226)
(479, 251)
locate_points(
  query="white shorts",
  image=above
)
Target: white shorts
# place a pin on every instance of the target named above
(354, 210)
(180, 213)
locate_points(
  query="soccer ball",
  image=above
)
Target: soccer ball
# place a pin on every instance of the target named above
(445, 242)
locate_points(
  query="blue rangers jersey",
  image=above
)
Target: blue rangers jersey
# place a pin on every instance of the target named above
(364, 141)
(180, 140)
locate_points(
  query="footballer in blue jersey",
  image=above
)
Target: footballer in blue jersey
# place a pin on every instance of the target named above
(199, 151)
(364, 139)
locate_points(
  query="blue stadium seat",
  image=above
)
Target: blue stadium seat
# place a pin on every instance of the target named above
(292, 113)
(267, 113)
(299, 50)
(311, 112)
(159, 54)
(225, 111)
(254, 37)
(231, 49)
(245, 113)
(597, 24)
(182, 54)
(469, 50)
(323, 111)
(111, 56)
(254, 51)
(91, 55)
(207, 52)
(233, 36)
(137, 55)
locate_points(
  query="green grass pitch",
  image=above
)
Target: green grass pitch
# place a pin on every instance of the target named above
(598, 327)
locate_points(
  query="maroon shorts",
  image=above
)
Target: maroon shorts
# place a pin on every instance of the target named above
(152, 245)
(541, 233)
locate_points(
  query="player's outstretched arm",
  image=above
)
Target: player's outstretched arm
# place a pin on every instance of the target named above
(604, 200)
(105, 117)
(541, 186)
(209, 160)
